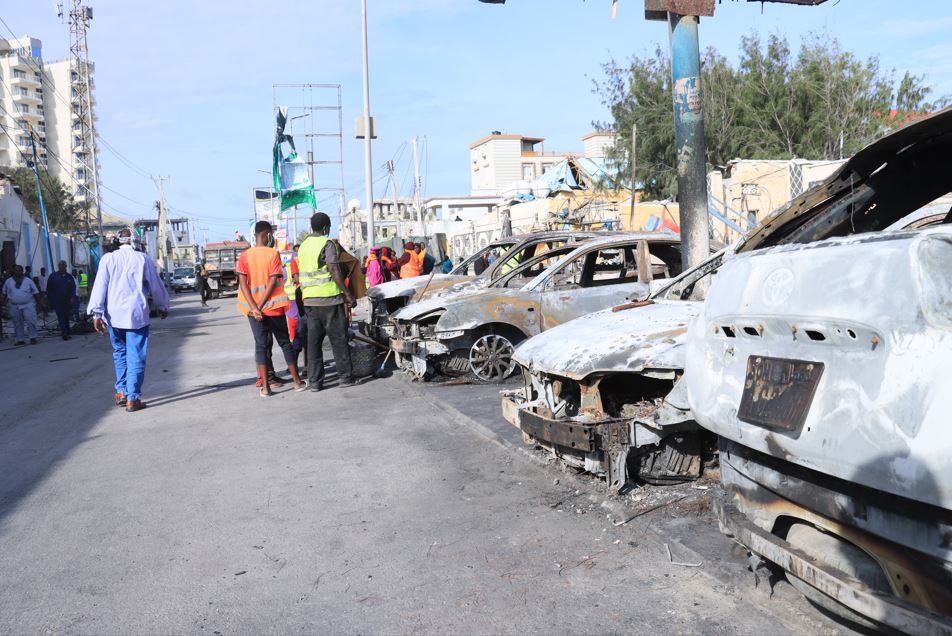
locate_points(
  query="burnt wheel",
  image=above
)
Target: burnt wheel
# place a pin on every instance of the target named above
(490, 358)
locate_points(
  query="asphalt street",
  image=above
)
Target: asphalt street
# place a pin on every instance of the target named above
(384, 508)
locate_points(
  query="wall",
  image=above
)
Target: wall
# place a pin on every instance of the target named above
(17, 226)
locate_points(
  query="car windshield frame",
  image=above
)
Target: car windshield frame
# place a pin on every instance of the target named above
(460, 270)
(500, 283)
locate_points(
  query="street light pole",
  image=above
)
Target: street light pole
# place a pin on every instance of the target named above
(368, 134)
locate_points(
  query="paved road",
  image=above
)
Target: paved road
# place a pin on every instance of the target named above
(373, 509)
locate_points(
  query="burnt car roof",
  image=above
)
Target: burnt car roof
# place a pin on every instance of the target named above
(916, 155)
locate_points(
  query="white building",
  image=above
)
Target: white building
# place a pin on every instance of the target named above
(41, 95)
(500, 163)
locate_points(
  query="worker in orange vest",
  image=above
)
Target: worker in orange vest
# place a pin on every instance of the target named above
(411, 262)
(262, 298)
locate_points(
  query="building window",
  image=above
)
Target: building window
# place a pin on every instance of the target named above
(528, 171)
(19, 74)
(23, 108)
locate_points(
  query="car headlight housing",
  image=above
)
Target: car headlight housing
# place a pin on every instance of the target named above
(448, 335)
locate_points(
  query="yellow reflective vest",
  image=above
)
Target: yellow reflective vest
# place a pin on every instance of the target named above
(314, 276)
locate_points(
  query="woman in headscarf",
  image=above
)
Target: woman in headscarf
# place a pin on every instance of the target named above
(375, 275)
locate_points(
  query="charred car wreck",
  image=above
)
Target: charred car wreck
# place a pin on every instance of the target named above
(604, 392)
(822, 359)
(389, 298)
(476, 333)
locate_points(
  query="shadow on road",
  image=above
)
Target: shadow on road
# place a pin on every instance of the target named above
(50, 409)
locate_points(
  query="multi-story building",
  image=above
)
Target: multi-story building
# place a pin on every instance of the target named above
(43, 96)
(499, 161)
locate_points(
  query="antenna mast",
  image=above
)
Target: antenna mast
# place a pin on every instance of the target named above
(78, 18)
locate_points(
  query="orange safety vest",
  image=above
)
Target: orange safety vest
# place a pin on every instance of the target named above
(413, 267)
(260, 261)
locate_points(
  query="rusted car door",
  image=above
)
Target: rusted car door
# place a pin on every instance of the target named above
(594, 280)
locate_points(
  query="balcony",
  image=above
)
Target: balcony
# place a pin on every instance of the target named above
(29, 98)
(26, 80)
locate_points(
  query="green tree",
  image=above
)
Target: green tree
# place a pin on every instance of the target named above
(62, 211)
(820, 103)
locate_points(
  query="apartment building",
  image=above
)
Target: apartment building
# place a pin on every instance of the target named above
(498, 161)
(43, 96)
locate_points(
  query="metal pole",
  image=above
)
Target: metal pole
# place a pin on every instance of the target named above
(396, 201)
(634, 161)
(161, 230)
(368, 166)
(417, 189)
(39, 192)
(689, 138)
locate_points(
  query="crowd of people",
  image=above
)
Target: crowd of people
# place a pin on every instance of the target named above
(382, 265)
(26, 297)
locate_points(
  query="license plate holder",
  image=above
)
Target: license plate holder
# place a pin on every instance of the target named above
(778, 392)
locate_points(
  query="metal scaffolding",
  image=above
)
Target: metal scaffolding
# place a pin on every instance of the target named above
(316, 115)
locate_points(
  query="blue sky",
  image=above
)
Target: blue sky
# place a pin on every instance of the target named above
(184, 88)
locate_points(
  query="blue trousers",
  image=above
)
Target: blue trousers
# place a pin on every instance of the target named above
(129, 348)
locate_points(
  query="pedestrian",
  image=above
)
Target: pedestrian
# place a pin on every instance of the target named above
(388, 263)
(374, 269)
(428, 262)
(60, 289)
(262, 298)
(324, 294)
(410, 262)
(41, 281)
(203, 289)
(479, 265)
(447, 265)
(75, 307)
(119, 303)
(21, 293)
(83, 286)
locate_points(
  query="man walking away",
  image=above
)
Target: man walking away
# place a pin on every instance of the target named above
(324, 293)
(60, 289)
(22, 294)
(119, 303)
(261, 297)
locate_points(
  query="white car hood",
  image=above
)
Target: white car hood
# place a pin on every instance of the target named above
(630, 340)
(407, 286)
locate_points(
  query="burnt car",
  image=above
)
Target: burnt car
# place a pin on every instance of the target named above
(390, 297)
(604, 392)
(475, 334)
(822, 359)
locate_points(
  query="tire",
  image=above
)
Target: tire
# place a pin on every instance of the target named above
(490, 358)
